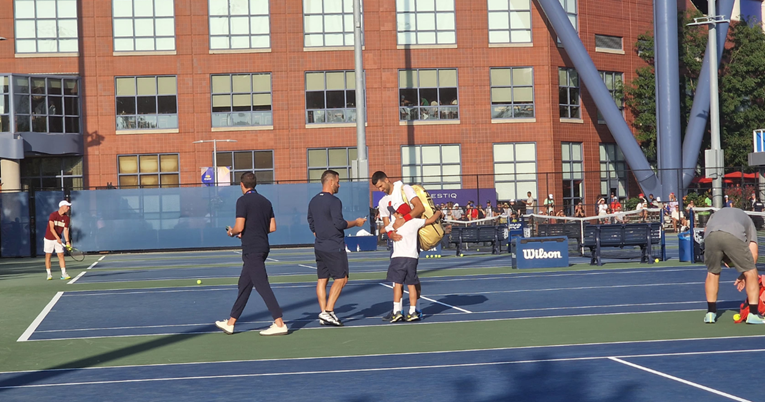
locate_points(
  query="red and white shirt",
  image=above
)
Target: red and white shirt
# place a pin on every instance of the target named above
(59, 223)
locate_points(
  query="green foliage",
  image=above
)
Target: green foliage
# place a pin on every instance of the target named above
(631, 203)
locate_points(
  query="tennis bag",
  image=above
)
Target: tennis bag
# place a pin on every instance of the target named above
(429, 235)
(744, 310)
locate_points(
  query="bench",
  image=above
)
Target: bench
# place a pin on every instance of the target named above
(477, 234)
(643, 235)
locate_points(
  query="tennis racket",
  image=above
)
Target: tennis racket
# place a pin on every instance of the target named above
(75, 253)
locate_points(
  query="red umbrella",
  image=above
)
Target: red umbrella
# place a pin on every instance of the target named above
(739, 175)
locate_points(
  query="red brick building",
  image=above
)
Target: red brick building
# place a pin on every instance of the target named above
(482, 81)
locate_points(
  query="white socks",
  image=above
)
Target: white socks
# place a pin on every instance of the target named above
(412, 309)
(396, 307)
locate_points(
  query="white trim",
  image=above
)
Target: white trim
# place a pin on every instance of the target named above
(33, 55)
(151, 53)
(40, 317)
(523, 120)
(241, 128)
(235, 51)
(400, 47)
(606, 50)
(577, 121)
(427, 122)
(149, 131)
(522, 44)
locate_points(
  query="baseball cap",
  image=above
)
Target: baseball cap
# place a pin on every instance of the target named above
(64, 203)
(726, 195)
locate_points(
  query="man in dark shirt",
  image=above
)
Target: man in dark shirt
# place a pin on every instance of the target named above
(325, 217)
(254, 221)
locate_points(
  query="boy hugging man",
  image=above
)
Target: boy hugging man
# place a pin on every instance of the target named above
(403, 263)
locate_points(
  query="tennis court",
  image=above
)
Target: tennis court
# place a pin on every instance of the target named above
(137, 326)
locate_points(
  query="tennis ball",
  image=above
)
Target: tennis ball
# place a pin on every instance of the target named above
(736, 317)
(199, 281)
(478, 249)
(656, 260)
(438, 256)
(462, 255)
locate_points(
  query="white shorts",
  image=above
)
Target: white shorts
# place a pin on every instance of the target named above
(49, 246)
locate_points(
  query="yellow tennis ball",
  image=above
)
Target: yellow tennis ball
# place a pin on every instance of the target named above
(462, 255)
(656, 260)
(199, 281)
(478, 249)
(736, 317)
(438, 256)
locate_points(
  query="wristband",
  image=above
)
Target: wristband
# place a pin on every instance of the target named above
(389, 233)
(407, 218)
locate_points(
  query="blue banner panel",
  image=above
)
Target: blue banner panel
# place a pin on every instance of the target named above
(14, 225)
(194, 217)
(541, 252)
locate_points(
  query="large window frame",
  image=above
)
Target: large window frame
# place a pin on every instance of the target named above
(144, 26)
(329, 23)
(49, 26)
(5, 104)
(52, 173)
(260, 162)
(512, 92)
(326, 100)
(614, 81)
(146, 106)
(569, 93)
(46, 104)
(239, 24)
(428, 94)
(509, 21)
(613, 171)
(437, 167)
(241, 100)
(572, 160)
(148, 170)
(569, 6)
(339, 159)
(425, 22)
(515, 169)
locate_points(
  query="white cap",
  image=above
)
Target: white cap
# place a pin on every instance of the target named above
(64, 203)
(456, 205)
(551, 196)
(726, 195)
(658, 199)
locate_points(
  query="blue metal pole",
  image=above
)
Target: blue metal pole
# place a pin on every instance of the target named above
(697, 121)
(668, 95)
(603, 100)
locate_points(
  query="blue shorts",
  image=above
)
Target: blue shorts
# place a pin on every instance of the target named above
(403, 270)
(331, 264)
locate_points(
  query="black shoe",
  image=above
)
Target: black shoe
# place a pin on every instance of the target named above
(396, 317)
(387, 317)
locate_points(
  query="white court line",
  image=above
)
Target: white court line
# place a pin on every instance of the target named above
(94, 264)
(433, 301)
(272, 259)
(578, 288)
(77, 277)
(40, 317)
(307, 266)
(680, 380)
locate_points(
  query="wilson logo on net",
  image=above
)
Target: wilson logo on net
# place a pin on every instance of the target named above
(540, 254)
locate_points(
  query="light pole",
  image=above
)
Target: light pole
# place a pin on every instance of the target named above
(215, 156)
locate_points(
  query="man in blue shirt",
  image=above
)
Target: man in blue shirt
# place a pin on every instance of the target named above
(325, 218)
(254, 221)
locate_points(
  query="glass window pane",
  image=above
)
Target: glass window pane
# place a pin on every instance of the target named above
(126, 86)
(407, 79)
(503, 153)
(169, 163)
(261, 100)
(314, 81)
(317, 158)
(144, 27)
(576, 151)
(261, 83)
(313, 24)
(523, 95)
(447, 78)
(243, 160)
(149, 180)
(445, 21)
(128, 181)
(146, 85)
(221, 84)
(501, 95)
(148, 163)
(164, 26)
(338, 157)
(128, 164)
(426, 21)
(525, 152)
(410, 155)
(522, 76)
(166, 86)
(428, 79)
(450, 153)
(264, 160)
(431, 154)
(241, 83)
(336, 80)
(500, 77)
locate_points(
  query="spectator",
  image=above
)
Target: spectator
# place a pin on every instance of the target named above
(529, 203)
(752, 200)
(488, 211)
(727, 203)
(579, 210)
(602, 209)
(457, 212)
(550, 204)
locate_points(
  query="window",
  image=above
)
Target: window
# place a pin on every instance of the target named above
(509, 21)
(428, 94)
(608, 42)
(568, 87)
(149, 171)
(337, 159)
(46, 104)
(50, 174)
(615, 85)
(425, 22)
(328, 23)
(241, 100)
(46, 26)
(239, 24)
(259, 162)
(5, 104)
(569, 6)
(143, 25)
(573, 175)
(512, 93)
(436, 167)
(515, 170)
(330, 97)
(613, 171)
(146, 103)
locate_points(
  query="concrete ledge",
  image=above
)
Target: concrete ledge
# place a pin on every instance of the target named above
(148, 131)
(241, 128)
(502, 121)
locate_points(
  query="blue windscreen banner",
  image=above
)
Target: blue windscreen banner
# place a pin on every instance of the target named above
(14, 225)
(187, 218)
(541, 252)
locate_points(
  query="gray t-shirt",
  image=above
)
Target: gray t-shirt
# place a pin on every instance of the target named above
(735, 222)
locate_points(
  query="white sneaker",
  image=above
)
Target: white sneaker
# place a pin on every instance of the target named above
(223, 325)
(275, 330)
(329, 318)
(50, 277)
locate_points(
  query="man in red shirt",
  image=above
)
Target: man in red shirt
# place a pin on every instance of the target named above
(58, 225)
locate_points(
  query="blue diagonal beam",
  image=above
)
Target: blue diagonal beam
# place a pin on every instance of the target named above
(697, 121)
(603, 100)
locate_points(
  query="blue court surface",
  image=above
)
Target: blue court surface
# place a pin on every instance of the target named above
(190, 310)
(677, 370)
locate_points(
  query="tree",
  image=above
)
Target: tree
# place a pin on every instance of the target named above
(742, 91)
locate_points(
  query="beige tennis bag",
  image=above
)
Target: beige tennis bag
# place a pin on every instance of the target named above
(430, 235)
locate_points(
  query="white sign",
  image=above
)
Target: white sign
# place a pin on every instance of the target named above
(540, 254)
